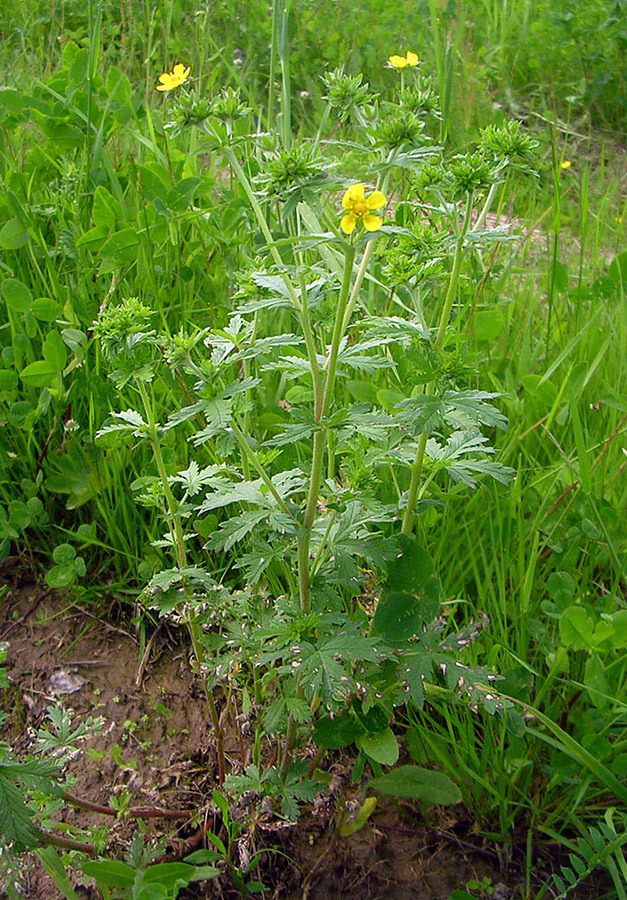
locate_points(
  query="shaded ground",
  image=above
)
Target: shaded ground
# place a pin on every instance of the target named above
(156, 743)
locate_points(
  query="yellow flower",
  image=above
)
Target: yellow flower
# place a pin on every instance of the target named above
(401, 62)
(173, 79)
(565, 164)
(358, 206)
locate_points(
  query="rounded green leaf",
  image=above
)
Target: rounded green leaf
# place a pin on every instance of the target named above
(13, 235)
(45, 309)
(121, 246)
(60, 576)
(381, 746)
(411, 569)
(17, 295)
(64, 554)
(8, 380)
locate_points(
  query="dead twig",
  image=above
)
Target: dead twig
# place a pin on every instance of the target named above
(137, 812)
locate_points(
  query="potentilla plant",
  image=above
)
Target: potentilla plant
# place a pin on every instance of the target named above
(338, 400)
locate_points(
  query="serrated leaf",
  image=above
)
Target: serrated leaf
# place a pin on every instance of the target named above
(15, 820)
(298, 710)
(235, 529)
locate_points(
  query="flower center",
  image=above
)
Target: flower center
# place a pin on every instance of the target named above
(360, 207)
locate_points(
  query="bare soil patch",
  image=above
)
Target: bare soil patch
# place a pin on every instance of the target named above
(157, 744)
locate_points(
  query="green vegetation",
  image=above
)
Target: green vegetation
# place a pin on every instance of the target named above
(367, 455)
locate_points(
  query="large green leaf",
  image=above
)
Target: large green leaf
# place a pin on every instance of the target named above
(411, 569)
(416, 783)
(110, 873)
(39, 374)
(333, 734)
(399, 616)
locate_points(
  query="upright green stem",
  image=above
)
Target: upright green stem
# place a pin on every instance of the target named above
(486, 206)
(193, 628)
(274, 51)
(451, 293)
(319, 440)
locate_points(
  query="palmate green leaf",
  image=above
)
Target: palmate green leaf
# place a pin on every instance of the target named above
(355, 358)
(291, 434)
(466, 409)
(238, 527)
(275, 284)
(466, 470)
(128, 420)
(457, 456)
(322, 667)
(262, 348)
(253, 306)
(391, 329)
(194, 478)
(424, 413)
(458, 409)
(293, 366)
(238, 492)
(372, 424)
(218, 415)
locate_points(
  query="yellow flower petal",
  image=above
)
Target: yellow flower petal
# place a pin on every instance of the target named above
(165, 78)
(399, 62)
(412, 58)
(353, 195)
(348, 223)
(371, 223)
(566, 164)
(375, 200)
(164, 87)
(179, 70)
